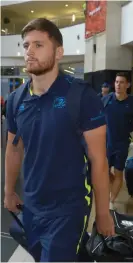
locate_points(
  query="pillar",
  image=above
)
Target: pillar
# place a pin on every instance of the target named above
(104, 55)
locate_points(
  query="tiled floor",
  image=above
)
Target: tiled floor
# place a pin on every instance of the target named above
(20, 255)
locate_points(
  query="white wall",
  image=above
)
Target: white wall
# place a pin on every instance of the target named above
(100, 58)
(72, 46)
(127, 24)
(117, 57)
(71, 43)
(9, 46)
(95, 61)
(88, 59)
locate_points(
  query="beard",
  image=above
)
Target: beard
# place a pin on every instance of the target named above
(40, 68)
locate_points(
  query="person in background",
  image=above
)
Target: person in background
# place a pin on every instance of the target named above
(2, 107)
(129, 176)
(85, 8)
(119, 119)
(1, 101)
(104, 90)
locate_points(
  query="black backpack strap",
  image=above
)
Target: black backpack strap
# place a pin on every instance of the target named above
(74, 97)
(18, 98)
(19, 94)
(74, 101)
(107, 99)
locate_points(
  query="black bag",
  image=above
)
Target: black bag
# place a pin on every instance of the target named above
(16, 229)
(118, 248)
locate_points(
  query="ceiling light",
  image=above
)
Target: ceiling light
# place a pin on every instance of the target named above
(66, 5)
(3, 30)
(32, 11)
(68, 71)
(73, 18)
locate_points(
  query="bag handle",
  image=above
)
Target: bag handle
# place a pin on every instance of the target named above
(14, 215)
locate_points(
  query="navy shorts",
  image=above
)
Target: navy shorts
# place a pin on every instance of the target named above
(55, 239)
(117, 158)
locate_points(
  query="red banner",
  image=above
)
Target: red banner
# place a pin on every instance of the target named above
(95, 17)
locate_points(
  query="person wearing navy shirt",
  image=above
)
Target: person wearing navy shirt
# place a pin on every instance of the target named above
(119, 117)
(104, 90)
(55, 209)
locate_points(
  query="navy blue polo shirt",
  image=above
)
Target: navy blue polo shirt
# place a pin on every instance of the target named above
(119, 118)
(54, 159)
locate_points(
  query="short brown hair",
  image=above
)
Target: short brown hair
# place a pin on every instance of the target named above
(124, 75)
(44, 25)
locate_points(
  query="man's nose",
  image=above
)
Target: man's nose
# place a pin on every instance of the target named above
(30, 51)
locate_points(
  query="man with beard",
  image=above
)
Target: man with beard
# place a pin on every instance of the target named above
(55, 210)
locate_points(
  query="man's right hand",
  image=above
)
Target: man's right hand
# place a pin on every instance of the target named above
(11, 201)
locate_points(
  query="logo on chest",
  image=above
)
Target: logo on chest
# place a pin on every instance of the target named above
(59, 103)
(21, 107)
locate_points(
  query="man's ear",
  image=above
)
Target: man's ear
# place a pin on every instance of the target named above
(59, 53)
(129, 85)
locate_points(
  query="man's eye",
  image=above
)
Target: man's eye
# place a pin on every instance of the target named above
(25, 47)
(38, 45)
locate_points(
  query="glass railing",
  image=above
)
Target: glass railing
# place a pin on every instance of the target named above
(76, 68)
(61, 22)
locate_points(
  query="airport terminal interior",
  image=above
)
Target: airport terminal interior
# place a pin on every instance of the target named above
(98, 43)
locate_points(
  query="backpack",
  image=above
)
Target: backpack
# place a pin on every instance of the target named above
(73, 106)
